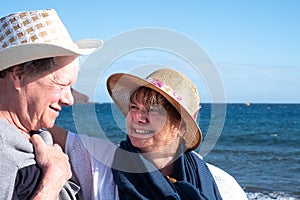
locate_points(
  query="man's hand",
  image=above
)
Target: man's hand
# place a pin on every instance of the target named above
(55, 167)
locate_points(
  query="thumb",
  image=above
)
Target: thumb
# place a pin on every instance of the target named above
(37, 142)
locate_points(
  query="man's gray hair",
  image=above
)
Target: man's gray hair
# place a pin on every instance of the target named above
(33, 67)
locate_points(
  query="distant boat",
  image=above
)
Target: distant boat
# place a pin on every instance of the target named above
(247, 103)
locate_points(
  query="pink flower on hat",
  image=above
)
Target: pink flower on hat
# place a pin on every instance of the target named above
(156, 82)
(165, 88)
(177, 96)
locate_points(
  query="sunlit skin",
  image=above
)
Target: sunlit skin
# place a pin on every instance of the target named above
(41, 97)
(151, 131)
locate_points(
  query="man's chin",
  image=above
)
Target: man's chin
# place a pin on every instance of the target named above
(48, 125)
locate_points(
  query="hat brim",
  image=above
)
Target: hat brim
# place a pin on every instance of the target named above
(121, 86)
(31, 51)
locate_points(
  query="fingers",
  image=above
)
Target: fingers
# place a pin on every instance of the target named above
(52, 160)
(40, 145)
(37, 140)
(54, 163)
(57, 147)
(48, 156)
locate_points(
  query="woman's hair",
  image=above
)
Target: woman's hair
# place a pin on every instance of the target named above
(150, 98)
(33, 67)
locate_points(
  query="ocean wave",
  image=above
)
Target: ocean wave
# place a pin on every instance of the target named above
(270, 195)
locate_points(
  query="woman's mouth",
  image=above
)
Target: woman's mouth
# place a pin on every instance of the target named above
(143, 132)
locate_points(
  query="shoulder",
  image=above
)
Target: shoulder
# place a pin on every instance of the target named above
(73, 143)
(227, 185)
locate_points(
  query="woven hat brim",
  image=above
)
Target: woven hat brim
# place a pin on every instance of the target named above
(121, 86)
(31, 51)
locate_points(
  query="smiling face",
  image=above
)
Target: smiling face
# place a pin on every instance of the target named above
(153, 124)
(43, 95)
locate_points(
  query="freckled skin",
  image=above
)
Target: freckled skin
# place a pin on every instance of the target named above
(162, 136)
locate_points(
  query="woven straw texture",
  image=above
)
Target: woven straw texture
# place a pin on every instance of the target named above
(42, 26)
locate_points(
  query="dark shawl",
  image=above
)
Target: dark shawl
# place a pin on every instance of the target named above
(194, 180)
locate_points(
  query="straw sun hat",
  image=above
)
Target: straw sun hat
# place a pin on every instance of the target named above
(174, 86)
(31, 35)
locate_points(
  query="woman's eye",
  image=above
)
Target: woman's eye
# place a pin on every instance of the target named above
(133, 107)
(153, 110)
(157, 110)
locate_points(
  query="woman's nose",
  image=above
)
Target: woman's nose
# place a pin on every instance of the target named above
(142, 116)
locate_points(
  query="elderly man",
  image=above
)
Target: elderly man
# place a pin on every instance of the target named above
(38, 65)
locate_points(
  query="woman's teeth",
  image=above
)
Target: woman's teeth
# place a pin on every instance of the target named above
(143, 131)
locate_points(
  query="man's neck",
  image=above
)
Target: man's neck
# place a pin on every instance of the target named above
(7, 116)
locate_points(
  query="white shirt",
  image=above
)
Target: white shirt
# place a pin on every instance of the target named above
(91, 159)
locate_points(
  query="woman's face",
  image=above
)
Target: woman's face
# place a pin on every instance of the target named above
(151, 130)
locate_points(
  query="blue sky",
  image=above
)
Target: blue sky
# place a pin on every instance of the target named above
(254, 44)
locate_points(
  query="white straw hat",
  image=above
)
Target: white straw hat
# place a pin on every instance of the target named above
(32, 35)
(174, 86)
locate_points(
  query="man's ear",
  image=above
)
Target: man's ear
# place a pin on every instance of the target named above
(16, 76)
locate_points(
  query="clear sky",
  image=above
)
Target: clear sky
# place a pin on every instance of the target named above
(255, 44)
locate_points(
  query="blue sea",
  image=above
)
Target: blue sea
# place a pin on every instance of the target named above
(259, 143)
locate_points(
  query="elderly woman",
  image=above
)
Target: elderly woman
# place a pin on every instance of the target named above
(157, 160)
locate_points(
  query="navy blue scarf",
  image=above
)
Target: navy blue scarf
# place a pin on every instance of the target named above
(194, 180)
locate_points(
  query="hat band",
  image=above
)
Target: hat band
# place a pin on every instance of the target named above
(164, 87)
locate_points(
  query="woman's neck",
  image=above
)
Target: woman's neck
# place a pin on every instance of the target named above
(164, 158)
(164, 162)
(167, 170)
